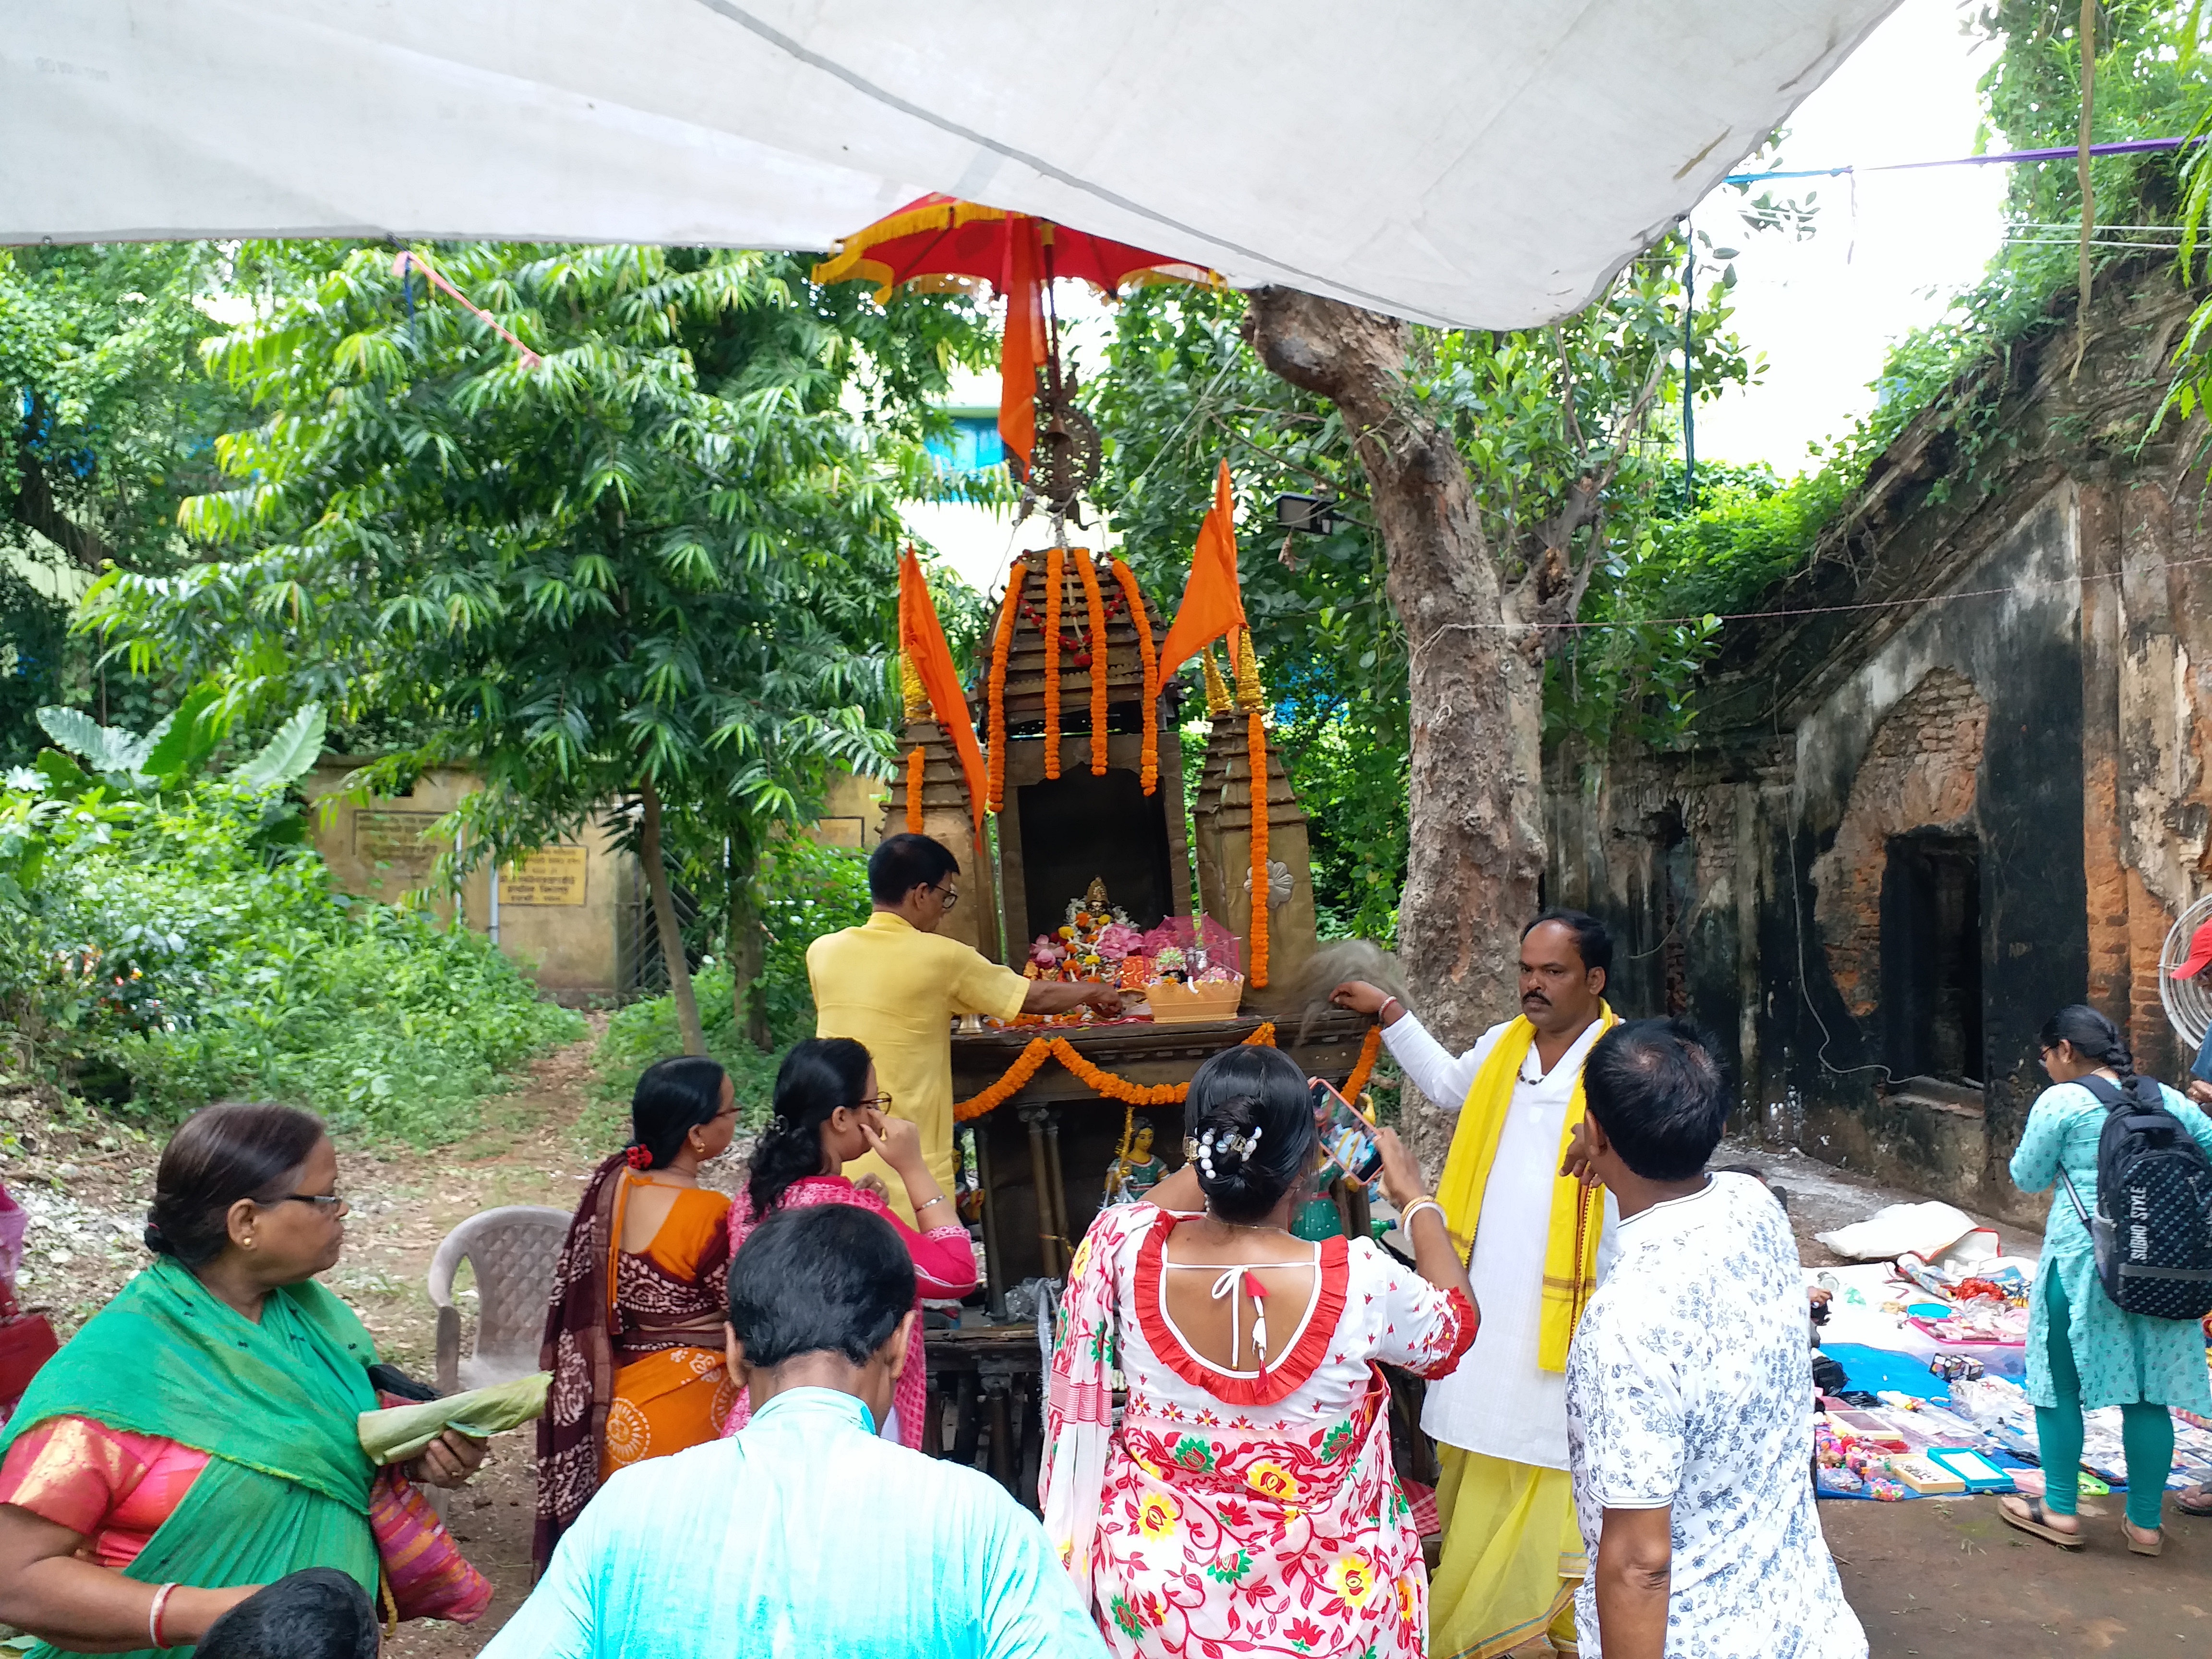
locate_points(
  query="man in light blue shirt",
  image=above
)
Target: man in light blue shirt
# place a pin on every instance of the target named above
(805, 1535)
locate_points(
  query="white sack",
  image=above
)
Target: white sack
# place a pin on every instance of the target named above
(1926, 1229)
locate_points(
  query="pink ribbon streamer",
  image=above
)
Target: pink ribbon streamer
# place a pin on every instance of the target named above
(409, 257)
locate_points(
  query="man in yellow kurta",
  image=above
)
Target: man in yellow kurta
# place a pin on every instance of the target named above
(1512, 1548)
(894, 986)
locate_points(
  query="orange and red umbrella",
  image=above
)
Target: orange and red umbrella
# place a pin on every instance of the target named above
(937, 236)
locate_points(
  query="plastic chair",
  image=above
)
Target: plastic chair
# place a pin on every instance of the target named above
(513, 1250)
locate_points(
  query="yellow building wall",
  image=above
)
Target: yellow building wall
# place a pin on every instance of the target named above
(557, 914)
(852, 815)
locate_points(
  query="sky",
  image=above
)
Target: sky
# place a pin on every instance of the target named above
(1884, 257)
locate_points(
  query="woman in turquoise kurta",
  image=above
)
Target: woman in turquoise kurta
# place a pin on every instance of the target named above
(2083, 1353)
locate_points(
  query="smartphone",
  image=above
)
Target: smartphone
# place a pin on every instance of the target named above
(1347, 1138)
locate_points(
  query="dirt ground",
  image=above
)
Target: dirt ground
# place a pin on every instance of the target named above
(1930, 1576)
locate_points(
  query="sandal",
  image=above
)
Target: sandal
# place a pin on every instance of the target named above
(2032, 1520)
(2194, 1500)
(2128, 1530)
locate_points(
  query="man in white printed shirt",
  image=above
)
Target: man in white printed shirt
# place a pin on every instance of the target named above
(1512, 1551)
(1689, 1385)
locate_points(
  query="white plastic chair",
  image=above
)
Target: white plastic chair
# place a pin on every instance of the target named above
(513, 1250)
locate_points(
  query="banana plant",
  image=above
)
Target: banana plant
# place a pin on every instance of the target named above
(171, 754)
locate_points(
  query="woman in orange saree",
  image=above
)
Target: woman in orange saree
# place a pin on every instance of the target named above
(633, 1336)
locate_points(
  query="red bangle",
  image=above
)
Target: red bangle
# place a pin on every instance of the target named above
(154, 1616)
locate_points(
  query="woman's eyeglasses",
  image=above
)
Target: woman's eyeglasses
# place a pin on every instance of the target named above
(326, 1203)
(881, 1102)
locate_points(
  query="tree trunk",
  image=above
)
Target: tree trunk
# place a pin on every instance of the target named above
(672, 934)
(1476, 846)
(33, 504)
(745, 942)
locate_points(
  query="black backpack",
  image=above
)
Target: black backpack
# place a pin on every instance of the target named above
(2153, 1229)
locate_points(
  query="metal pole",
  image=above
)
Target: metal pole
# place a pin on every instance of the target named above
(1689, 412)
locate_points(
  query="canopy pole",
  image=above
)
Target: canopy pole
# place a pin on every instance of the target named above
(1689, 411)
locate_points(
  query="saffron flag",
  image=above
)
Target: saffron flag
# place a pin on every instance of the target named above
(1024, 346)
(1213, 601)
(922, 638)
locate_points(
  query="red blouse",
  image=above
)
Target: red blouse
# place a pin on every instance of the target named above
(115, 1489)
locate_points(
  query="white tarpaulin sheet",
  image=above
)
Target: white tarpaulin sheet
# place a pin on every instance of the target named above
(1473, 162)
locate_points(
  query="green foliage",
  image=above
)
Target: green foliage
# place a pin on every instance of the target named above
(109, 422)
(103, 397)
(664, 554)
(1538, 414)
(35, 649)
(167, 949)
(807, 891)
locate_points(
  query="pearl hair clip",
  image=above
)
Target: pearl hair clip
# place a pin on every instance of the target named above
(1238, 1143)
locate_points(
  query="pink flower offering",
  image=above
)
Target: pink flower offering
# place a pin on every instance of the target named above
(1116, 940)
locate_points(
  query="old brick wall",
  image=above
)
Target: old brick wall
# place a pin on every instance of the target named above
(1919, 773)
(2014, 645)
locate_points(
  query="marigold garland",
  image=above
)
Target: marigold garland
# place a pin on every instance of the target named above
(1149, 653)
(917, 762)
(994, 712)
(1370, 1046)
(1261, 881)
(1055, 573)
(1095, 603)
(1032, 1058)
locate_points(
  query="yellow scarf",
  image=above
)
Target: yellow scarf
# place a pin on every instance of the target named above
(1570, 1245)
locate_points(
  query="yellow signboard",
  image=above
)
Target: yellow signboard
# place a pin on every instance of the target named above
(552, 875)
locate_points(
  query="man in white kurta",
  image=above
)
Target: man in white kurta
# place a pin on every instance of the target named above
(1512, 1553)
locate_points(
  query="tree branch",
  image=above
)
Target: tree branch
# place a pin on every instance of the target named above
(33, 504)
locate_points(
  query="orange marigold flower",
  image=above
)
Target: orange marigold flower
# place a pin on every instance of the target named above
(1055, 572)
(1095, 603)
(1149, 654)
(1257, 744)
(994, 712)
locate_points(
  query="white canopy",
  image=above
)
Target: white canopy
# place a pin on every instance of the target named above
(1486, 163)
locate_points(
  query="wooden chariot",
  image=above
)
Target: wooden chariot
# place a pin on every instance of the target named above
(1044, 1152)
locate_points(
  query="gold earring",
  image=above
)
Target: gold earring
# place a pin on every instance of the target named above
(247, 1241)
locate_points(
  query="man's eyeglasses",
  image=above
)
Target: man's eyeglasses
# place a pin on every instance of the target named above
(947, 896)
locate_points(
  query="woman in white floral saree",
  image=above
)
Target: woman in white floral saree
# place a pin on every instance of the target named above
(1245, 1502)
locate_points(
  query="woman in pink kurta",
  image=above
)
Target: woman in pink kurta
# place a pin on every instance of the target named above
(1245, 1502)
(828, 1112)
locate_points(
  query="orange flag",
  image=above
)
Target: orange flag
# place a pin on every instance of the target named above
(922, 638)
(1023, 347)
(1213, 601)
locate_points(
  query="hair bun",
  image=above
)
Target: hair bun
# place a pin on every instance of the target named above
(156, 1240)
(637, 1156)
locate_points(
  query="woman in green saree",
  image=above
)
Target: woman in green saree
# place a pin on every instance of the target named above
(195, 1439)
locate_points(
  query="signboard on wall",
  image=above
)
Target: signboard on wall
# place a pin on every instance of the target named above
(401, 839)
(550, 876)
